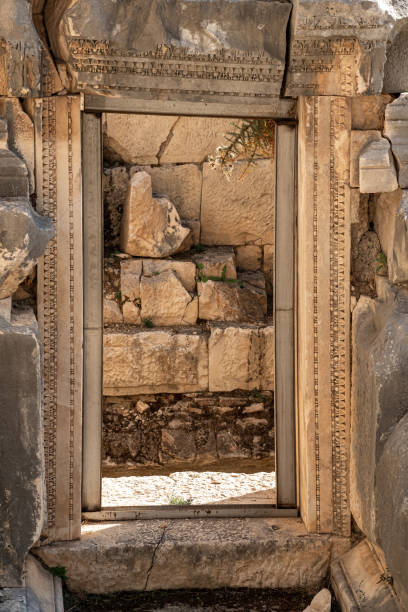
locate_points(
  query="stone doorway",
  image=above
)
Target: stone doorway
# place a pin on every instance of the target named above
(133, 285)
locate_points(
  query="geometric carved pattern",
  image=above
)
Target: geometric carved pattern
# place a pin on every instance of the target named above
(59, 196)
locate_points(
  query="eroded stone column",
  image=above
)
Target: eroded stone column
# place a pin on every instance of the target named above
(324, 312)
(59, 196)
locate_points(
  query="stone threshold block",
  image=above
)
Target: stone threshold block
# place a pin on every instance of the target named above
(154, 361)
(193, 554)
(377, 170)
(359, 582)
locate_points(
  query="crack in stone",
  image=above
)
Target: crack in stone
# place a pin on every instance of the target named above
(156, 548)
(167, 141)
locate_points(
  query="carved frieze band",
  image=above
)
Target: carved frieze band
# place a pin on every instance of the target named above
(59, 191)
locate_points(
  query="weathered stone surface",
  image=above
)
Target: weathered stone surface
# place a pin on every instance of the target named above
(19, 600)
(241, 358)
(237, 302)
(238, 212)
(5, 308)
(131, 313)
(168, 31)
(396, 129)
(249, 257)
(181, 184)
(268, 265)
(20, 134)
(391, 225)
(111, 312)
(20, 60)
(184, 270)
(154, 362)
(320, 602)
(377, 170)
(46, 587)
(213, 261)
(135, 139)
(396, 66)
(368, 112)
(115, 186)
(151, 227)
(22, 470)
(165, 300)
(232, 552)
(13, 171)
(24, 237)
(359, 140)
(130, 273)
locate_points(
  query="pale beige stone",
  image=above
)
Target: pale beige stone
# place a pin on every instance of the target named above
(354, 206)
(5, 308)
(238, 212)
(377, 170)
(131, 313)
(181, 184)
(213, 261)
(154, 361)
(195, 226)
(367, 112)
(249, 257)
(136, 138)
(237, 302)
(130, 273)
(111, 312)
(20, 134)
(396, 129)
(391, 225)
(195, 138)
(151, 227)
(165, 300)
(184, 270)
(359, 140)
(320, 602)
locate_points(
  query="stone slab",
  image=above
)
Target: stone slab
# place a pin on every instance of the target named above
(359, 140)
(396, 129)
(235, 302)
(377, 172)
(184, 270)
(200, 553)
(238, 212)
(19, 600)
(44, 585)
(155, 361)
(367, 112)
(165, 301)
(20, 133)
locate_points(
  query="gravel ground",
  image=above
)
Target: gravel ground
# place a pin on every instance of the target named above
(192, 487)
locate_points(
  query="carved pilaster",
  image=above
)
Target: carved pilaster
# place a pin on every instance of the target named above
(59, 196)
(324, 312)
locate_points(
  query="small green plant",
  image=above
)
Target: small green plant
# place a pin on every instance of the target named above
(202, 278)
(382, 262)
(59, 571)
(257, 395)
(175, 500)
(147, 322)
(118, 296)
(199, 248)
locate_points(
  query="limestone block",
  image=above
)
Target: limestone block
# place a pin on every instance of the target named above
(24, 237)
(111, 312)
(377, 170)
(154, 361)
(46, 587)
(19, 600)
(391, 225)
(213, 261)
(320, 602)
(237, 302)
(396, 129)
(131, 313)
(13, 171)
(20, 134)
(239, 211)
(396, 66)
(165, 300)
(130, 273)
(240, 358)
(22, 468)
(136, 139)
(367, 112)
(181, 184)
(249, 257)
(195, 226)
(359, 140)
(20, 60)
(184, 270)
(5, 308)
(151, 227)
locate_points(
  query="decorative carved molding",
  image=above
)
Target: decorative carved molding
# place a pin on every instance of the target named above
(59, 191)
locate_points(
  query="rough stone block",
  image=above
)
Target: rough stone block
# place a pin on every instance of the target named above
(115, 189)
(154, 361)
(249, 257)
(22, 469)
(23, 239)
(151, 227)
(131, 314)
(367, 112)
(396, 66)
(320, 602)
(181, 184)
(240, 358)
(165, 300)
(391, 225)
(238, 212)
(111, 312)
(136, 139)
(237, 302)
(184, 270)
(46, 587)
(377, 170)
(5, 308)
(359, 140)
(19, 600)
(20, 134)
(396, 129)
(130, 273)
(212, 262)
